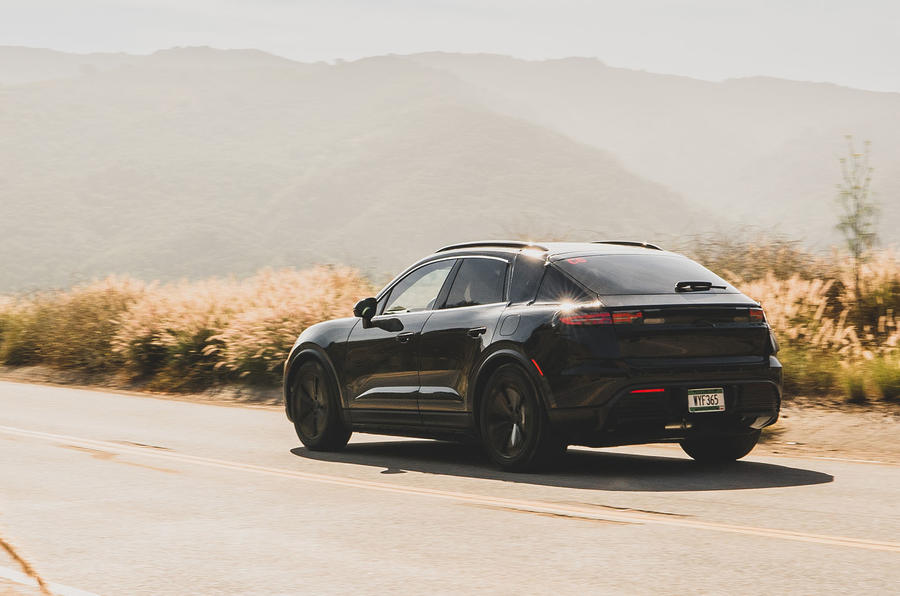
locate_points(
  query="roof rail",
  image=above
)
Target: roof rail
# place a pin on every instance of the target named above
(487, 243)
(628, 243)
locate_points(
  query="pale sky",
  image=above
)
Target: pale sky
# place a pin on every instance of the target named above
(849, 42)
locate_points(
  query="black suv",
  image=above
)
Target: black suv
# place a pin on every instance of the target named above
(533, 347)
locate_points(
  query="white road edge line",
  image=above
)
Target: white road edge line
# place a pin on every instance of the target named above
(25, 580)
(854, 461)
(565, 509)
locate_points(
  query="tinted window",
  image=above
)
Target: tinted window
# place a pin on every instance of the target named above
(526, 277)
(479, 281)
(610, 275)
(556, 287)
(419, 289)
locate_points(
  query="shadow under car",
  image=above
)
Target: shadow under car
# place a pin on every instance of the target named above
(579, 468)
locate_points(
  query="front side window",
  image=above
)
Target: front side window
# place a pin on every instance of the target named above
(419, 289)
(479, 281)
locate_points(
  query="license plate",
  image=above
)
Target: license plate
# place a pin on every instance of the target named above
(709, 399)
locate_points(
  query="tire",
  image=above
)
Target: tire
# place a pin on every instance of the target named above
(316, 409)
(720, 449)
(514, 428)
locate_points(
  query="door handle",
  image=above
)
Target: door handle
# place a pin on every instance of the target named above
(476, 331)
(404, 337)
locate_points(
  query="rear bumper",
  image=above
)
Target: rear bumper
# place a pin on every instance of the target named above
(752, 401)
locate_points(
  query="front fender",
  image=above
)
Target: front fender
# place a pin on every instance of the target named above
(301, 353)
(326, 341)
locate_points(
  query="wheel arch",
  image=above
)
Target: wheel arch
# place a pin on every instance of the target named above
(306, 352)
(495, 360)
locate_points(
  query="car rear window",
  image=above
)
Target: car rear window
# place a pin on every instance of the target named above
(611, 275)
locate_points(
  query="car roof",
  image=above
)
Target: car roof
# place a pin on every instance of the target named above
(550, 249)
(546, 250)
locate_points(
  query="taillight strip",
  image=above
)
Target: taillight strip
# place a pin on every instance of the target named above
(586, 318)
(622, 317)
(627, 316)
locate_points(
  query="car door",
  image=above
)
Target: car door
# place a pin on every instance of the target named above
(454, 337)
(382, 368)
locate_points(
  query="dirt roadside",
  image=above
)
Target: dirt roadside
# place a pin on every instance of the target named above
(843, 431)
(808, 427)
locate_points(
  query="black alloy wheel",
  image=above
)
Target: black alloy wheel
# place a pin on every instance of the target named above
(514, 427)
(317, 418)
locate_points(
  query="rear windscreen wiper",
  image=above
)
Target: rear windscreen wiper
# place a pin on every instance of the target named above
(696, 286)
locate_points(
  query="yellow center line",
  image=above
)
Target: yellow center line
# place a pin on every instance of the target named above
(563, 509)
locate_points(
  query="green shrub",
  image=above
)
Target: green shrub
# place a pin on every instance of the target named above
(25, 325)
(808, 373)
(853, 381)
(886, 376)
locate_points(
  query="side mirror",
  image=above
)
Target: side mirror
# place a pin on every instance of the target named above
(365, 309)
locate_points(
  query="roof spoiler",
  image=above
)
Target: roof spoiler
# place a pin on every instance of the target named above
(495, 243)
(628, 243)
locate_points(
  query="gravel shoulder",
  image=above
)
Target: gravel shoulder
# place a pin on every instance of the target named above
(808, 427)
(845, 431)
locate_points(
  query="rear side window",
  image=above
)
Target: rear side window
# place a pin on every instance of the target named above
(526, 278)
(556, 287)
(611, 275)
(479, 281)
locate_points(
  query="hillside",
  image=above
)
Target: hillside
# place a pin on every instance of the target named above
(764, 150)
(196, 162)
(20, 65)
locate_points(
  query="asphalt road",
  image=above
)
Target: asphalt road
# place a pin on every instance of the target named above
(120, 494)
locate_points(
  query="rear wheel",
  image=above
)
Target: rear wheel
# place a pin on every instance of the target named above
(316, 413)
(720, 449)
(514, 426)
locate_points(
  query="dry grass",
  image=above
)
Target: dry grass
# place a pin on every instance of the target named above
(830, 343)
(189, 335)
(181, 336)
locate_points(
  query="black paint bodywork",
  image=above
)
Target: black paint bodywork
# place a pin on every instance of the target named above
(421, 373)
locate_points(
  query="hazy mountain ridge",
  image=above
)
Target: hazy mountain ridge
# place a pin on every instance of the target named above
(766, 147)
(19, 65)
(176, 171)
(195, 161)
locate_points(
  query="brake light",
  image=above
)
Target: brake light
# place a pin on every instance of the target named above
(647, 390)
(586, 318)
(757, 315)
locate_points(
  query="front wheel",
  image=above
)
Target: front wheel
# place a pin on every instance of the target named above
(720, 449)
(514, 427)
(316, 413)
